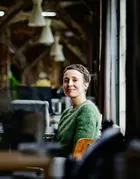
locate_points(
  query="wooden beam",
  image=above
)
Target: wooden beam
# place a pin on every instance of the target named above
(29, 67)
(12, 12)
(76, 51)
(24, 47)
(74, 26)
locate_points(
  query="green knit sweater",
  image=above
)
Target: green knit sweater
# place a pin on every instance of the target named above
(80, 122)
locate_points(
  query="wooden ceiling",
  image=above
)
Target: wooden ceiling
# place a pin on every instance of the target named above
(75, 17)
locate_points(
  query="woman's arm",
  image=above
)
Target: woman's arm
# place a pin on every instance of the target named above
(87, 125)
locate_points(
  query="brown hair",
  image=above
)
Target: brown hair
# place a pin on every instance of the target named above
(81, 69)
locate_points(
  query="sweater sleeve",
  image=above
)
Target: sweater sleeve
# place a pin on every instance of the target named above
(87, 124)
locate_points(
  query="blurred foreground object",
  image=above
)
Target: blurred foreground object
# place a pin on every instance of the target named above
(98, 160)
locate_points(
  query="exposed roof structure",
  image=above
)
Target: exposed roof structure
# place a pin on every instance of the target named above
(76, 22)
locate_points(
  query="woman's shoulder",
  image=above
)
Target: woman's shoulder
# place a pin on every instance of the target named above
(90, 108)
(89, 105)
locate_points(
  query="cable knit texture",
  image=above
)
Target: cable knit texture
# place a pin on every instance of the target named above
(76, 123)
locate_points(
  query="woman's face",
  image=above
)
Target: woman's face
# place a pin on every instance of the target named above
(74, 84)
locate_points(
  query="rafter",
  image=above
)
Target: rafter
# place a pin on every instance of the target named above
(12, 12)
(41, 56)
(73, 25)
(76, 51)
(25, 46)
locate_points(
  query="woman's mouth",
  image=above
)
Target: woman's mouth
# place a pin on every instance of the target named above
(69, 90)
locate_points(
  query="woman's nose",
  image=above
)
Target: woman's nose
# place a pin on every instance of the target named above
(70, 82)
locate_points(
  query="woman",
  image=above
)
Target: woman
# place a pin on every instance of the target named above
(81, 120)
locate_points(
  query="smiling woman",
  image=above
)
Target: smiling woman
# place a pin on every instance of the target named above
(81, 120)
(75, 84)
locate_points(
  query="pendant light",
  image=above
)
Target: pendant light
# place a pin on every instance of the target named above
(36, 18)
(47, 35)
(59, 57)
(57, 50)
(55, 45)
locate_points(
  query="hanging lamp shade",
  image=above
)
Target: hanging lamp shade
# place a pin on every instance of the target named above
(55, 46)
(47, 35)
(36, 18)
(59, 57)
(57, 50)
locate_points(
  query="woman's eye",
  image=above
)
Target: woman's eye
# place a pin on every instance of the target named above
(65, 81)
(74, 80)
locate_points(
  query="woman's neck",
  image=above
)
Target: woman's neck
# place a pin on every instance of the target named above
(78, 101)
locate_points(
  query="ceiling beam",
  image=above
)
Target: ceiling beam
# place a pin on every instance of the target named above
(12, 12)
(28, 43)
(73, 25)
(76, 51)
(40, 57)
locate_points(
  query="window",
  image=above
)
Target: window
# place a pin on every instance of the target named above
(122, 61)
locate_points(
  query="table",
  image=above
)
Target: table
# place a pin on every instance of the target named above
(17, 161)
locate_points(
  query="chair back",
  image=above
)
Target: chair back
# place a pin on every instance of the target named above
(81, 146)
(98, 161)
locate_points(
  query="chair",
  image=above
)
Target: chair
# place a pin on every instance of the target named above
(98, 161)
(81, 146)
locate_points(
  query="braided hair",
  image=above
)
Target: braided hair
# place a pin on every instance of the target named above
(81, 69)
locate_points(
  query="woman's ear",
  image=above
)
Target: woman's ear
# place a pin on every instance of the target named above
(86, 86)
